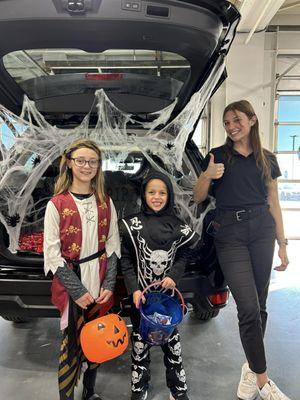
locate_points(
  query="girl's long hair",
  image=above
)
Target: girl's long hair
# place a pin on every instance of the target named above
(65, 178)
(260, 154)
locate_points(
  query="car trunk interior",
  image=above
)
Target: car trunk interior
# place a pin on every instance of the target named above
(198, 31)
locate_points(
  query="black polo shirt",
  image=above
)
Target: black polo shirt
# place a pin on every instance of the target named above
(242, 185)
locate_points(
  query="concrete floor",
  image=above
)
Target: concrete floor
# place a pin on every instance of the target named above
(212, 352)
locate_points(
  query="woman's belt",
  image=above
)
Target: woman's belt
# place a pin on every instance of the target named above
(243, 214)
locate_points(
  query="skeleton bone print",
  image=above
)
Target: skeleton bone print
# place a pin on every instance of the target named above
(175, 349)
(137, 376)
(155, 264)
(140, 348)
(182, 379)
(175, 375)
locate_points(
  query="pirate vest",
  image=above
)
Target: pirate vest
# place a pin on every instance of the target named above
(153, 261)
(71, 239)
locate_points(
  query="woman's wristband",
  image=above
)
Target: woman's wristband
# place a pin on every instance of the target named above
(281, 242)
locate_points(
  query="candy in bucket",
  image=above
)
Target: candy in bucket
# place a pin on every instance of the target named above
(160, 314)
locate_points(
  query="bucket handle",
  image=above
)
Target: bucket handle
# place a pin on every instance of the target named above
(183, 305)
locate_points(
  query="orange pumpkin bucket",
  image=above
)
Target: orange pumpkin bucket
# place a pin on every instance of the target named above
(104, 338)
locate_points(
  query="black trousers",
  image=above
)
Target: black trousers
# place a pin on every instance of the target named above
(245, 252)
(140, 357)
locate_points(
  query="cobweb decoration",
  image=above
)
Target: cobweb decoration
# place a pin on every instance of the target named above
(30, 149)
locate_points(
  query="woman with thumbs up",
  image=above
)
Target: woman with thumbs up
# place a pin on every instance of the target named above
(242, 176)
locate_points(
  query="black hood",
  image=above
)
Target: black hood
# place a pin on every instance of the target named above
(161, 227)
(169, 207)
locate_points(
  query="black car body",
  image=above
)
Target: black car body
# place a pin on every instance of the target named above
(53, 53)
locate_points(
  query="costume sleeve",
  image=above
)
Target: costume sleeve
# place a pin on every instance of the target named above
(128, 264)
(111, 273)
(71, 282)
(128, 271)
(112, 244)
(52, 253)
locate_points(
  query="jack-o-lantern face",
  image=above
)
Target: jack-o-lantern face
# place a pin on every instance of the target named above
(104, 338)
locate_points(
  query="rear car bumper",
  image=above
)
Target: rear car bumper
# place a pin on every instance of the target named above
(26, 294)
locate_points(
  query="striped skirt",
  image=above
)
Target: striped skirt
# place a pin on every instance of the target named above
(71, 356)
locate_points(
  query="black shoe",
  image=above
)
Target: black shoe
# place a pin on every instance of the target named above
(139, 395)
(180, 396)
(90, 396)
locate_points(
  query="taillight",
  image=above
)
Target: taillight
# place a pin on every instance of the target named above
(103, 77)
(219, 299)
(32, 242)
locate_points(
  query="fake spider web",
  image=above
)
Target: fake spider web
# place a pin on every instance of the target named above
(30, 149)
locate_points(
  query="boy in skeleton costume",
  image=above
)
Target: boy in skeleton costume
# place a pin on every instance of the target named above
(154, 243)
(81, 246)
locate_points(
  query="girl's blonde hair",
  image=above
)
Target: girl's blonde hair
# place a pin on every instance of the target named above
(65, 178)
(260, 154)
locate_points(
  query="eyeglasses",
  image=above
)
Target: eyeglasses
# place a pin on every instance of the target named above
(81, 162)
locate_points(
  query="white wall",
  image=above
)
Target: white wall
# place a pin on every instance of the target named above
(252, 70)
(249, 70)
(217, 131)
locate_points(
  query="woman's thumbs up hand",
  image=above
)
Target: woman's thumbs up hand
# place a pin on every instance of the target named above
(214, 170)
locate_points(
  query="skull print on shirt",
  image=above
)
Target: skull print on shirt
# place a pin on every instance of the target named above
(153, 264)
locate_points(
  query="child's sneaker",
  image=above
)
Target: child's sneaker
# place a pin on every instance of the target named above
(247, 389)
(142, 395)
(181, 396)
(271, 392)
(90, 396)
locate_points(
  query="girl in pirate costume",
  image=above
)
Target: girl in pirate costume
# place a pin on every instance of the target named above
(153, 246)
(81, 246)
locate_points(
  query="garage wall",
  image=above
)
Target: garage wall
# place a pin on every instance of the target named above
(249, 77)
(245, 66)
(252, 70)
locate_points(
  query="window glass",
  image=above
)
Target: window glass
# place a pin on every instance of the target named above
(288, 147)
(289, 165)
(289, 195)
(8, 132)
(288, 137)
(46, 73)
(289, 109)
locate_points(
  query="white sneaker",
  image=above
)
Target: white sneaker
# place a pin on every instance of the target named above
(247, 389)
(271, 392)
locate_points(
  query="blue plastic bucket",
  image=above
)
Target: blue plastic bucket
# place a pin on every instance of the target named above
(156, 333)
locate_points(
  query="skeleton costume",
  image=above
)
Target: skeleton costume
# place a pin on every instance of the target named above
(81, 245)
(153, 247)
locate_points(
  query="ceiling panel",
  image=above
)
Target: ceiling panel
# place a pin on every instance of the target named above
(290, 7)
